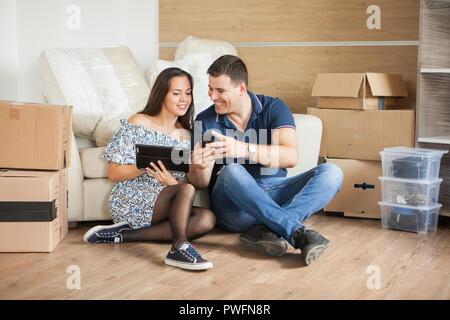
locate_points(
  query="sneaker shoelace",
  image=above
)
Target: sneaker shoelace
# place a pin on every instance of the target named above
(115, 240)
(187, 255)
(193, 252)
(189, 252)
(108, 236)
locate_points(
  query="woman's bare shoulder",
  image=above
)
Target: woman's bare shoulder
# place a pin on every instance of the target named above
(139, 118)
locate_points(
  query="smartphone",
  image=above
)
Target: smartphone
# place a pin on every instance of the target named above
(207, 139)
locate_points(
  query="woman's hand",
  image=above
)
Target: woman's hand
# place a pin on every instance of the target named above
(203, 157)
(161, 174)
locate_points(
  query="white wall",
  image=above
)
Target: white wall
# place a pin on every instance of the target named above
(8, 50)
(28, 26)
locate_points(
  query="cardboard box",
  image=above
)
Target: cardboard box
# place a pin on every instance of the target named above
(35, 136)
(361, 135)
(64, 202)
(358, 90)
(20, 186)
(361, 189)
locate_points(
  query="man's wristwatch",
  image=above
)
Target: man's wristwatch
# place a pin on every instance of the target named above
(252, 151)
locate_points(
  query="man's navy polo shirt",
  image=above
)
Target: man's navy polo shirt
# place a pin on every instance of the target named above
(268, 114)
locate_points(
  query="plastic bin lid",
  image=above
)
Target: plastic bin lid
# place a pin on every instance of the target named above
(416, 181)
(419, 208)
(424, 152)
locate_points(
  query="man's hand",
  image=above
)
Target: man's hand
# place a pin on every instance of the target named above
(228, 147)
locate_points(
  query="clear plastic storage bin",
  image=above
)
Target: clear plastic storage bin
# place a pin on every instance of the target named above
(415, 193)
(407, 218)
(411, 163)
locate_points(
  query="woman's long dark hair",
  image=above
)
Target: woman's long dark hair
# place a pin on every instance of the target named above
(158, 94)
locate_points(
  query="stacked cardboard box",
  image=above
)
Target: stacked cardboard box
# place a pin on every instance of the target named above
(35, 144)
(360, 120)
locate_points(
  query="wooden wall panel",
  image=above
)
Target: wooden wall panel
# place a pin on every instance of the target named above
(289, 72)
(286, 20)
(167, 53)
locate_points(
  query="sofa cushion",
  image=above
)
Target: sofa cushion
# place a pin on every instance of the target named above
(84, 125)
(94, 165)
(192, 45)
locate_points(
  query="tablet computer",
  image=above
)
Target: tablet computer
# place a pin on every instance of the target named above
(173, 158)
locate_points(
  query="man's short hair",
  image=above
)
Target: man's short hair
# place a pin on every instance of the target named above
(231, 66)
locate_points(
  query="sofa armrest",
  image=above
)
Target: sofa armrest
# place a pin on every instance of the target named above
(75, 184)
(201, 198)
(309, 135)
(94, 165)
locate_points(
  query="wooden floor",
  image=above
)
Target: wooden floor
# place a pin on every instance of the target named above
(411, 266)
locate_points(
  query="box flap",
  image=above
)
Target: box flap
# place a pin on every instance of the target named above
(386, 85)
(27, 173)
(30, 104)
(337, 84)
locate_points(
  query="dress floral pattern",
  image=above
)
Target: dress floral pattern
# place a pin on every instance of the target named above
(133, 200)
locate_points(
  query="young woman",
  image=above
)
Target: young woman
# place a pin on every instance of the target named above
(156, 204)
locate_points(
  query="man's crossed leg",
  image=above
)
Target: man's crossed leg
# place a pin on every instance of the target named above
(269, 209)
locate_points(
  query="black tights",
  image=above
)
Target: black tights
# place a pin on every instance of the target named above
(174, 218)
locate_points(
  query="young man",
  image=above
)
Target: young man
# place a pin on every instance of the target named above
(245, 168)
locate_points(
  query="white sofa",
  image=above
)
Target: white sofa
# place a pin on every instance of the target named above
(89, 186)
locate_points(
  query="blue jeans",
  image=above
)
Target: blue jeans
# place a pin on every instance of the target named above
(239, 201)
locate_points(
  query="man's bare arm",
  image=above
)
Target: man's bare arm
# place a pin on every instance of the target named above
(282, 153)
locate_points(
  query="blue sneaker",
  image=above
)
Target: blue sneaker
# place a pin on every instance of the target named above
(106, 234)
(187, 257)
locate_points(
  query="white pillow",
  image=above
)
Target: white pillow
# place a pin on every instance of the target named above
(88, 81)
(130, 75)
(100, 83)
(192, 45)
(196, 65)
(199, 66)
(152, 72)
